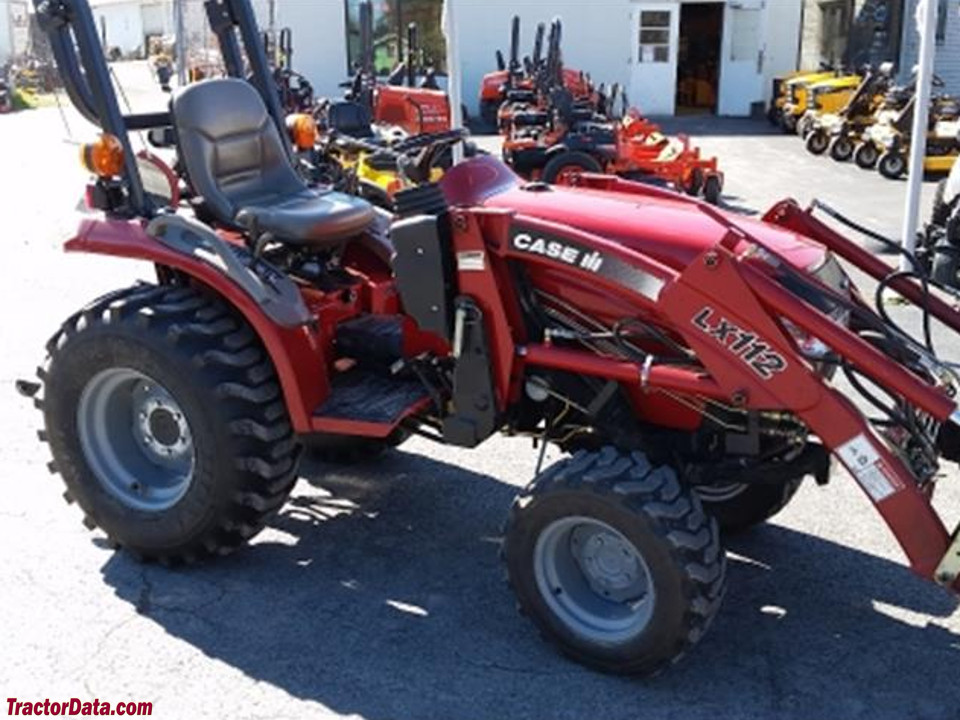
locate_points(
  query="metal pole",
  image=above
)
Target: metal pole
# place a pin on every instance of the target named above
(927, 27)
(453, 71)
(181, 49)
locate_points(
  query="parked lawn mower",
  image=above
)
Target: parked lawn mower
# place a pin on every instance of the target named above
(681, 354)
(780, 95)
(839, 132)
(515, 81)
(528, 101)
(563, 138)
(886, 145)
(825, 96)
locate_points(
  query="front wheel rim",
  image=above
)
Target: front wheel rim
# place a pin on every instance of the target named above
(136, 439)
(594, 580)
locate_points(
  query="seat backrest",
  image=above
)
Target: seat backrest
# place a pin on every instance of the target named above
(230, 146)
(349, 118)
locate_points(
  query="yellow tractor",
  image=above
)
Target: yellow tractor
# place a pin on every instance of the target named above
(819, 98)
(794, 94)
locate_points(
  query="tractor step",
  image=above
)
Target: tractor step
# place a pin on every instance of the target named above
(359, 395)
(371, 340)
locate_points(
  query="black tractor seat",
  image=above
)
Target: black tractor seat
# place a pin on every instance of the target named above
(311, 217)
(236, 162)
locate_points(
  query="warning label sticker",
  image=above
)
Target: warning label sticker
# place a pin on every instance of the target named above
(864, 462)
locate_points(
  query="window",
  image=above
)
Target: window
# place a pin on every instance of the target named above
(390, 20)
(654, 36)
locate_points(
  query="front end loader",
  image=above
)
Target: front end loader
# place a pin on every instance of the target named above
(684, 357)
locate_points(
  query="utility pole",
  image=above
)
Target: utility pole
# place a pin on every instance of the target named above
(181, 46)
(927, 27)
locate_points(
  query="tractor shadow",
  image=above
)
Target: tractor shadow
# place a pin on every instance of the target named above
(377, 592)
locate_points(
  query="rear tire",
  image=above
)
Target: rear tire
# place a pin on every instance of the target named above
(564, 164)
(219, 384)
(841, 148)
(738, 507)
(817, 142)
(866, 156)
(615, 561)
(892, 165)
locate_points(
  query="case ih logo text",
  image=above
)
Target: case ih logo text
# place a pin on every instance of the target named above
(742, 343)
(569, 254)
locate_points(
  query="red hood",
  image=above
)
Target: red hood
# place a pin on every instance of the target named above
(673, 232)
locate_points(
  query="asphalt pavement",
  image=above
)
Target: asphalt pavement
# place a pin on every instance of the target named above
(376, 592)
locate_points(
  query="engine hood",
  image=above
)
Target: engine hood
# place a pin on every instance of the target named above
(673, 232)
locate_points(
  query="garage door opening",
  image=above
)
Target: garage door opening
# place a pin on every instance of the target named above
(698, 62)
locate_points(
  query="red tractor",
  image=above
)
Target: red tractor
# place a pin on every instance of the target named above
(682, 355)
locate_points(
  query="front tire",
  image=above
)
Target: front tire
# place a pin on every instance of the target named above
(865, 156)
(892, 165)
(817, 142)
(841, 148)
(615, 561)
(151, 373)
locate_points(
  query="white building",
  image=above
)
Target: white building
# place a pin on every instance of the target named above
(669, 54)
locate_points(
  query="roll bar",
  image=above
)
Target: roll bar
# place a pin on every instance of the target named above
(78, 52)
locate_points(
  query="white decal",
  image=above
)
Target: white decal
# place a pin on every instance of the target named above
(864, 462)
(471, 261)
(555, 250)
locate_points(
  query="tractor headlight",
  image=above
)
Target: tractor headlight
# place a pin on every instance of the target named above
(828, 271)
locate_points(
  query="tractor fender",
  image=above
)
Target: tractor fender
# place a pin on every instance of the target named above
(267, 299)
(554, 150)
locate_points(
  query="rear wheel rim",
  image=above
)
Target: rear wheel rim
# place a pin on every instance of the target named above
(594, 580)
(136, 439)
